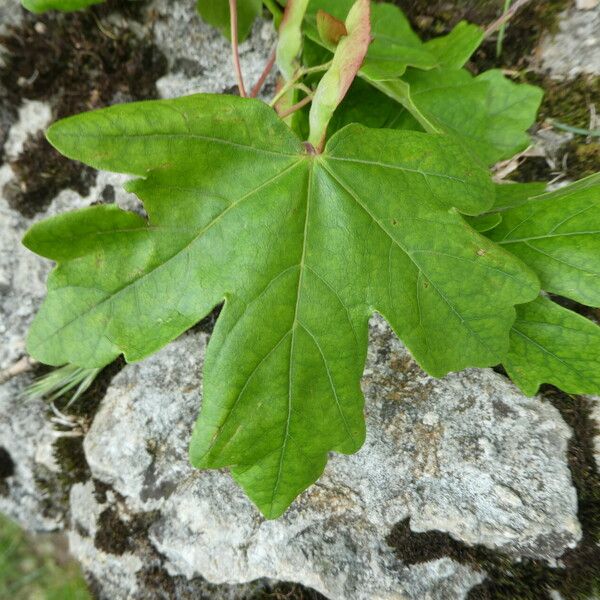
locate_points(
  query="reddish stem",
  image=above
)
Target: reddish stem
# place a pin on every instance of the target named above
(264, 75)
(295, 107)
(234, 47)
(507, 16)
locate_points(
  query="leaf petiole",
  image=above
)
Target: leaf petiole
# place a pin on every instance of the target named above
(234, 47)
(263, 77)
(292, 109)
(292, 83)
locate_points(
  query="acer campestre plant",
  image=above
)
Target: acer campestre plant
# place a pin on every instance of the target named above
(364, 186)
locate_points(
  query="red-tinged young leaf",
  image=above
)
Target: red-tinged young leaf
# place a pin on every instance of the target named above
(347, 60)
(330, 29)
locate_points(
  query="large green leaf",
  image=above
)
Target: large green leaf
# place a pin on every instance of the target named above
(302, 248)
(216, 13)
(39, 6)
(558, 235)
(551, 344)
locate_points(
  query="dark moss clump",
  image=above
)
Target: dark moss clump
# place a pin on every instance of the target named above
(534, 168)
(41, 173)
(582, 159)
(579, 574)
(568, 102)
(287, 591)
(7, 465)
(77, 62)
(87, 404)
(7, 469)
(116, 536)
(207, 324)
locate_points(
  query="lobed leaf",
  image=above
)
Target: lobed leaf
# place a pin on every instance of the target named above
(551, 344)
(302, 248)
(558, 235)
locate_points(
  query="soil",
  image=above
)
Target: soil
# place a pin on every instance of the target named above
(77, 62)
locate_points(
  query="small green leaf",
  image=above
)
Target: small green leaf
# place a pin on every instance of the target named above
(455, 49)
(551, 344)
(558, 235)
(38, 6)
(330, 29)
(239, 211)
(216, 13)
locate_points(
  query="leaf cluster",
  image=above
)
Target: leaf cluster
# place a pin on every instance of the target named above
(389, 207)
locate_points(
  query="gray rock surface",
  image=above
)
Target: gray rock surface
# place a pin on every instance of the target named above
(26, 438)
(575, 48)
(199, 57)
(467, 454)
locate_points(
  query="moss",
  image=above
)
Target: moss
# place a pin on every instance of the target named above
(566, 100)
(68, 451)
(115, 536)
(287, 591)
(582, 159)
(40, 174)
(76, 63)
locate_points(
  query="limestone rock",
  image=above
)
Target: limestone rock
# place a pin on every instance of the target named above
(586, 4)
(575, 48)
(26, 439)
(467, 454)
(200, 57)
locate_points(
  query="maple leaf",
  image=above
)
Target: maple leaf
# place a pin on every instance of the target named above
(552, 344)
(558, 235)
(301, 247)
